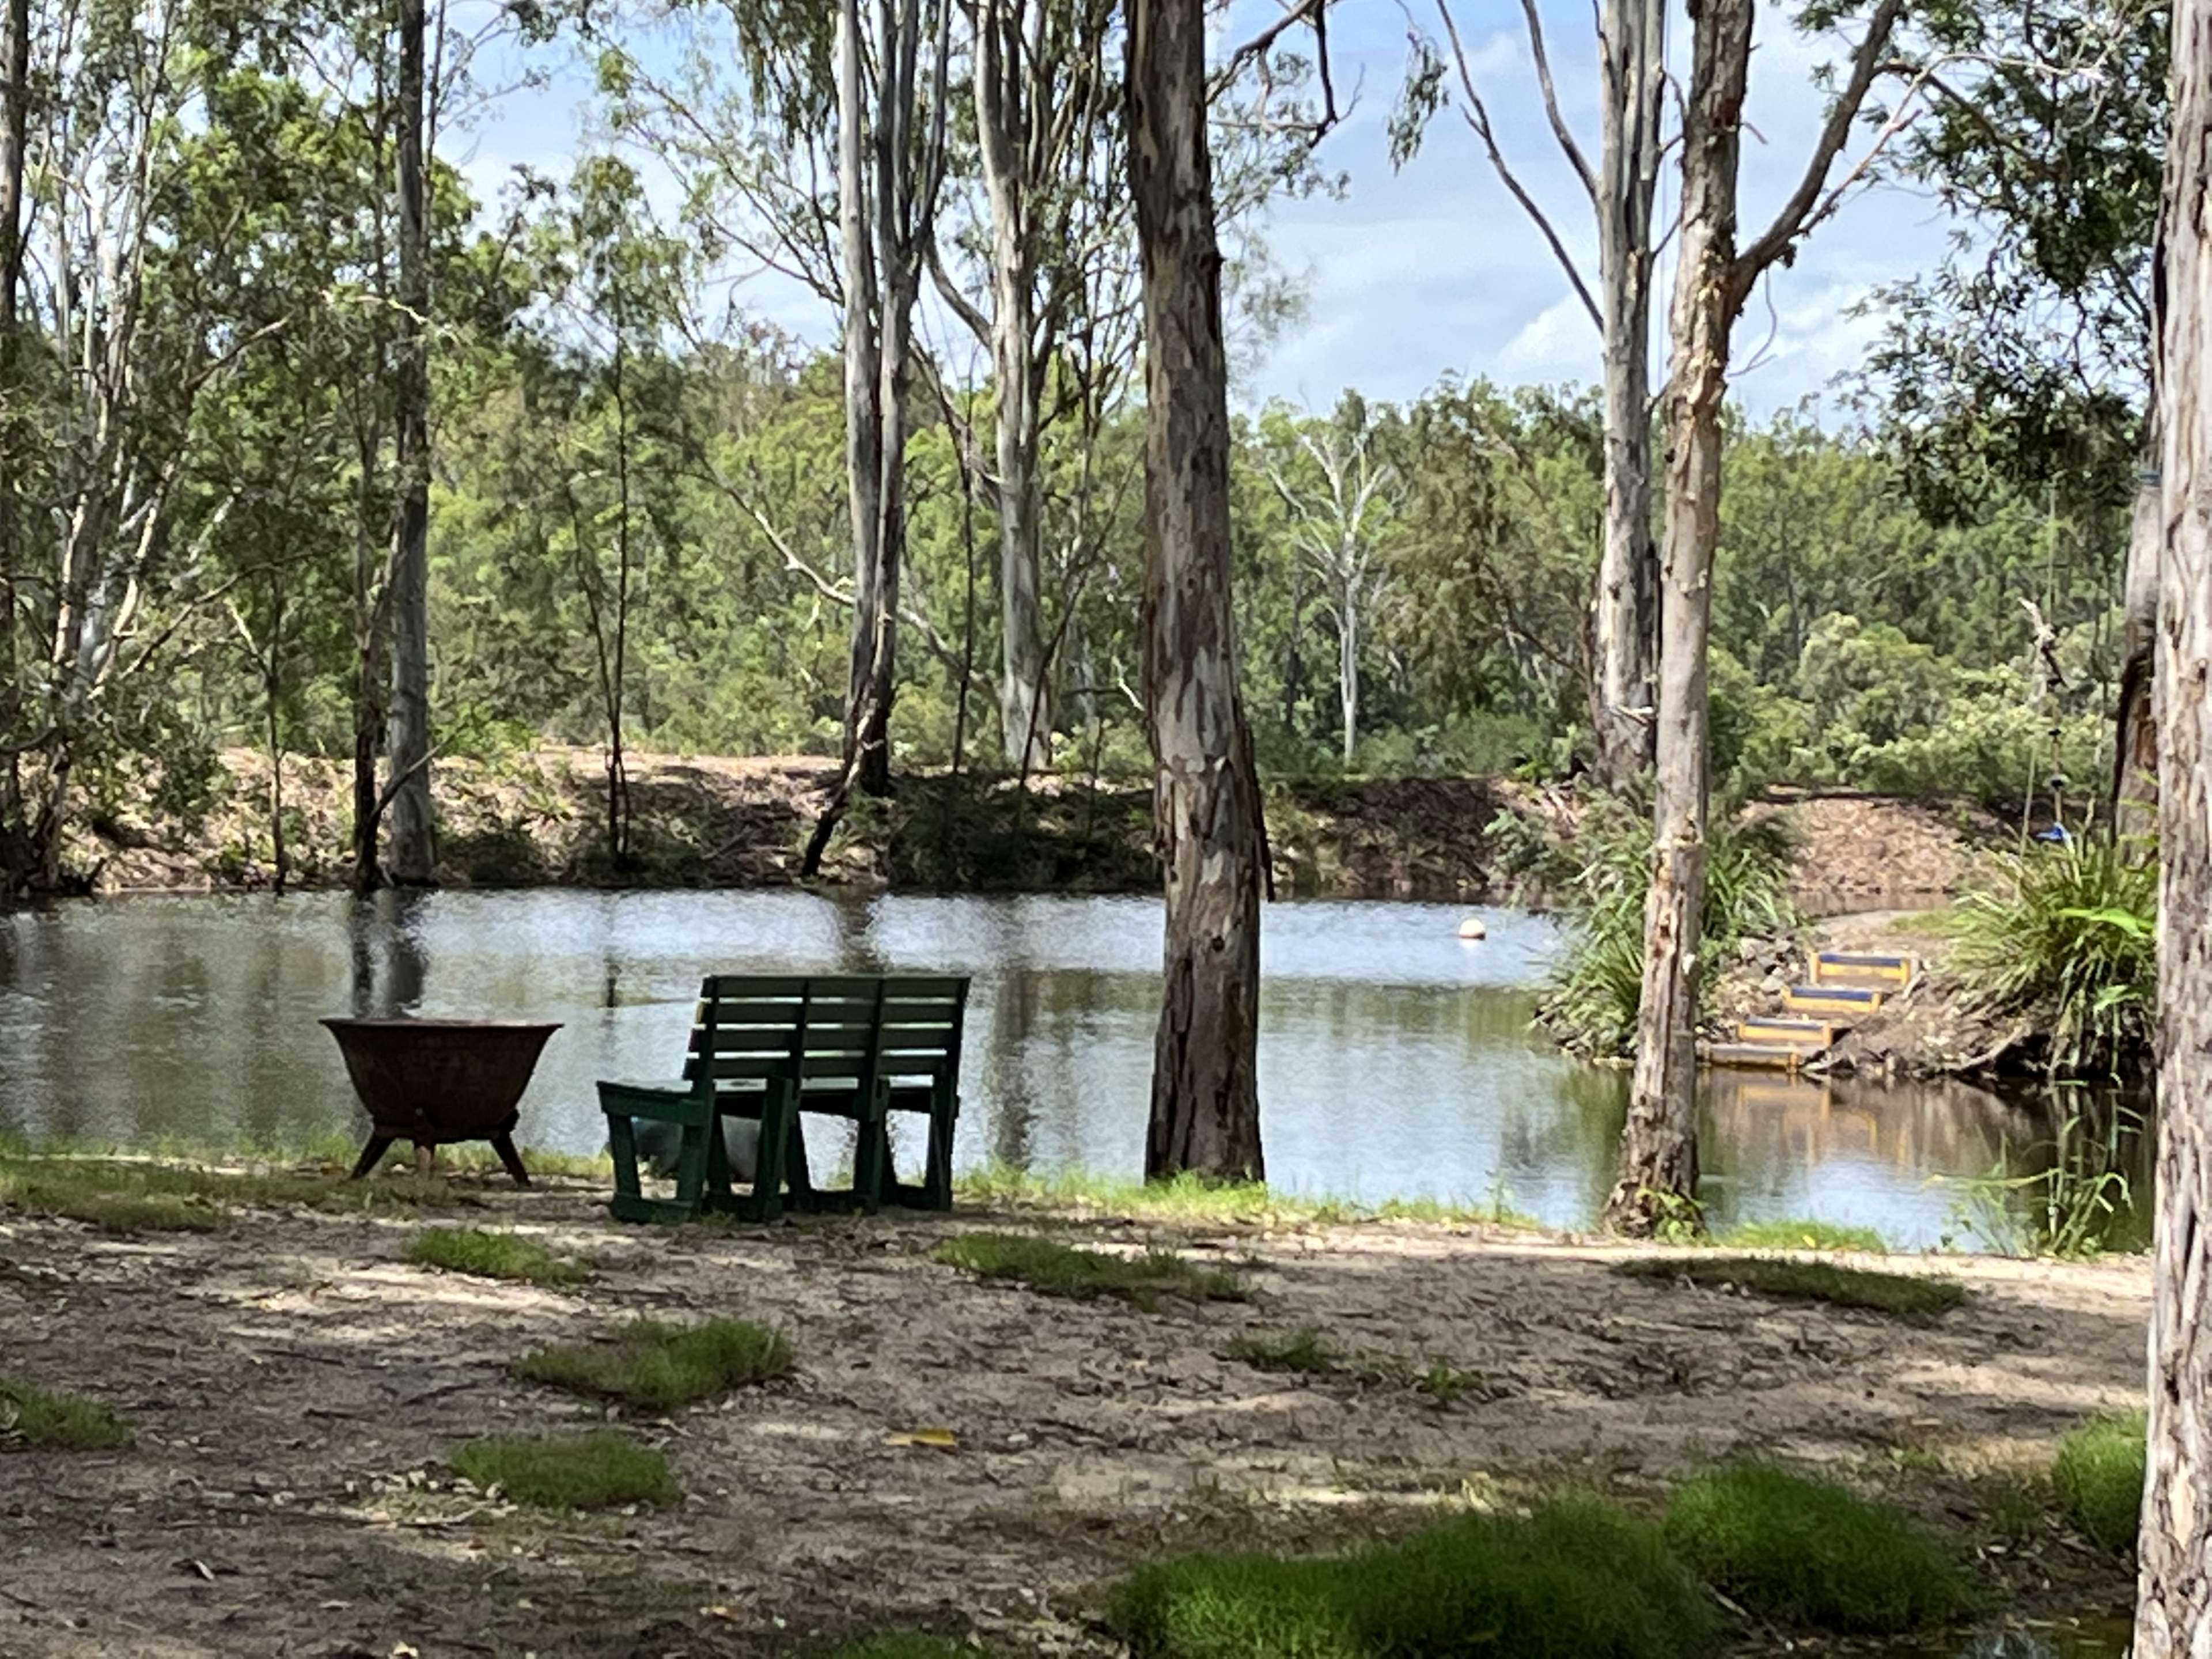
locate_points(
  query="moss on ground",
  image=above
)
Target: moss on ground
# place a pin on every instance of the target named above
(2097, 1478)
(595, 1471)
(663, 1366)
(143, 1195)
(1305, 1351)
(36, 1420)
(1579, 1579)
(1784, 1279)
(1808, 1554)
(1802, 1235)
(487, 1255)
(1189, 1200)
(1057, 1269)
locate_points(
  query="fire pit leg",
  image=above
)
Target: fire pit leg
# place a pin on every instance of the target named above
(503, 1144)
(371, 1156)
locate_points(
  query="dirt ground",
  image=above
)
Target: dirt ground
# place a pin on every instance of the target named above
(293, 1388)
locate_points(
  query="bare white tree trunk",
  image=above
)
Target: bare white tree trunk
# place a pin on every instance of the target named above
(2174, 1610)
(1335, 533)
(1624, 624)
(1624, 612)
(414, 852)
(1206, 1103)
(1008, 127)
(867, 713)
(890, 159)
(1348, 670)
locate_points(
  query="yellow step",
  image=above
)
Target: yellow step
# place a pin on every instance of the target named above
(1762, 1055)
(1807, 1035)
(1863, 968)
(1855, 1001)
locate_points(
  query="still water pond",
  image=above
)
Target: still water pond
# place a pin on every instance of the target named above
(1396, 1061)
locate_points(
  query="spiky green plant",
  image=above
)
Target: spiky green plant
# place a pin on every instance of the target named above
(2065, 938)
(1593, 995)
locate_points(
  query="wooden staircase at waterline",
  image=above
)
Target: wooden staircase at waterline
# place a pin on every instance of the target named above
(1844, 988)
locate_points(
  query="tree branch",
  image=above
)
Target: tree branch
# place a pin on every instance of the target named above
(1559, 128)
(1478, 117)
(1799, 214)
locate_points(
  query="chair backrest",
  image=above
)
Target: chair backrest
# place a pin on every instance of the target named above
(918, 1033)
(829, 1030)
(746, 1029)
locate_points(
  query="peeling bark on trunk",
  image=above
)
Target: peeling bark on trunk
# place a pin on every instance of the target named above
(2135, 768)
(1659, 1147)
(15, 113)
(2173, 1614)
(1624, 624)
(414, 856)
(1205, 1107)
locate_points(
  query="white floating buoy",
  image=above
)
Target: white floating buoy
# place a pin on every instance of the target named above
(1473, 928)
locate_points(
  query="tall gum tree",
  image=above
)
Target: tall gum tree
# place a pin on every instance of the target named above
(1621, 189)
(1205, 1105)
(2174, 1611)
(1043, 108)
(15, 125)
(413, 847)
(1659, 1145)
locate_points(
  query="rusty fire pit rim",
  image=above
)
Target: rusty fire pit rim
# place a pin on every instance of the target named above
(412, 1024)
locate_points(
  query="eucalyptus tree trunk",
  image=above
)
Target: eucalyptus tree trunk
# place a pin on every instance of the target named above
(1659, 1148)
(2135, 759)
(864, 386)
(1348, 670)
(1010, 130)
(414, 856)
(1624, 621)
(2173, 1609)
(1206, 1104)
(14, 116)
(889, 165)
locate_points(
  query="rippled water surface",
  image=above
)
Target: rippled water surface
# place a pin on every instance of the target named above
(1396, 1061)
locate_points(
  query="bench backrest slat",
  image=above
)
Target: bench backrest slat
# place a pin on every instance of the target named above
(846, 1029)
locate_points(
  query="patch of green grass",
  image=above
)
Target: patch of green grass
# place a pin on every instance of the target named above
(595, 1471)
(319, 1152)
(664, 1366)
(1806, 1235)
(1189, 1200)
(147, 1195)
(1579, 1579)
(1305, 1350)
(494, 1256)
(39, 1421)
(2098, 1478)
(1057, 1269)
(1809, 1553)
(1447, 1384)
(905, 1644)
(1783, 1279)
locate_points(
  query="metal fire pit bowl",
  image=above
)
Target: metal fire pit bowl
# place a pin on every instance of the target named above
(433, 1081)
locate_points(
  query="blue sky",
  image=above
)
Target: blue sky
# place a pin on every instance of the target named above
(1416, 273)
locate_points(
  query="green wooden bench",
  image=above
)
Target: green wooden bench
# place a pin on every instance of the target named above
(769, 1050)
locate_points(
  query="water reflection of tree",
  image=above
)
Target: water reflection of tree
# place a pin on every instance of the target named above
(391, 965)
